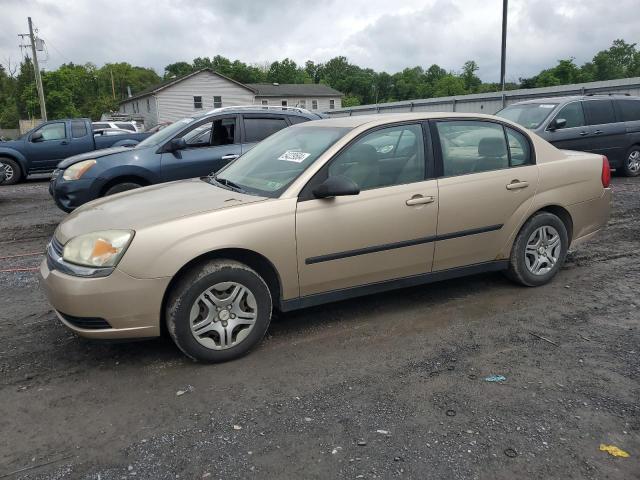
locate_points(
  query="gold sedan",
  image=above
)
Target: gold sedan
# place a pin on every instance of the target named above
(319, 212)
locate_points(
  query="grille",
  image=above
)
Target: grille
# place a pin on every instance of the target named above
(87, 323)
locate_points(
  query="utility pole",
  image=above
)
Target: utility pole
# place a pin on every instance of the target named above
(503, 59)
(43, 107)
(113, 86)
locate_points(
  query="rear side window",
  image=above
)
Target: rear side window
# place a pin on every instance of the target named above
(599, 112)
(257, 129)
(629, 110)
(78, 129)
(573, 114)
(519, 148)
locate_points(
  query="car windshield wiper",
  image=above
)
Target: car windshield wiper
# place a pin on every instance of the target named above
(228, 184)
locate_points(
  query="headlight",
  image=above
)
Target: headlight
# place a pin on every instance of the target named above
(98, 249)
(77, 170)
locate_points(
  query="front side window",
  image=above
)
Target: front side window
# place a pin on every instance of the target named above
(572, 113)
(53, 131)
(78, 129)
(224, 132)
(599, 112)
(257, 129)
(197, 102)
(472, 147)
(213, 133)
(217, 102)
(385, 157)
(273, 164)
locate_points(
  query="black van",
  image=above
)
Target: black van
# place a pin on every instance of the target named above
(604, 124)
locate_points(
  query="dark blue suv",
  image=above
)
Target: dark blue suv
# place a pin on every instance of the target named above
(191, 147)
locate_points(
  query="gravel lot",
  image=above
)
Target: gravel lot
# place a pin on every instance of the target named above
(388, 386)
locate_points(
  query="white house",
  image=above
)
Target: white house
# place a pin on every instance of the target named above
(205, 89)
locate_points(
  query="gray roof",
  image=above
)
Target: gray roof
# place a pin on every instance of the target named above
(293, 90)
(172, 81)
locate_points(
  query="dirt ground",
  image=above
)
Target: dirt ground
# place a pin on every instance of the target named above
(386, 386)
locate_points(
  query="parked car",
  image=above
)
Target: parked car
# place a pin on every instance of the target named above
(320, 212)
(40, 149)
(159, 127)
(191, 147)
(130, 126)
(111, 131)
(605, 124)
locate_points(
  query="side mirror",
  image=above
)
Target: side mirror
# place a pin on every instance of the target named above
(176, 144)
(37, 137)
(557, 123)
(337, 186)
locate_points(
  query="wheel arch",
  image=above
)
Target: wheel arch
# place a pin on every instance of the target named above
(560, 212)
(258, 262)
(122, 179)
(16, 157)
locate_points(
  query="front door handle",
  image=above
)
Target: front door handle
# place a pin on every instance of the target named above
(419, 200)
(64, 142)
(598, 132)
(582, 134)
(232, 156)
(516, 184)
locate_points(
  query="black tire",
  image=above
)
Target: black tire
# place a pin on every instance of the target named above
(196, 282)
(630, 164)
(518, 270)
(121, 187)
(13, 168)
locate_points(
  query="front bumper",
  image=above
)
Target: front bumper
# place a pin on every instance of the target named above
(69, 195)
(130, 306)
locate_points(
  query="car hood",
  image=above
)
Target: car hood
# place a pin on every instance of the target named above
(92, 155)
(147, 206)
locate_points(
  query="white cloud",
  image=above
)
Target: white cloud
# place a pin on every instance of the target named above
(372, 33)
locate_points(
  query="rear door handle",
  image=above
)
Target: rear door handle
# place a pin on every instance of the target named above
(233, 156)
(516, 184)
(419, 200)
(582, 134)
(64, 142)
(598, 132)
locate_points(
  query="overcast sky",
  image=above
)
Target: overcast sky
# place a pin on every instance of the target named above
(381, 34)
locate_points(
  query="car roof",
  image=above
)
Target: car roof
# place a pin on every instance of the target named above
(383, 118)
(573, 98)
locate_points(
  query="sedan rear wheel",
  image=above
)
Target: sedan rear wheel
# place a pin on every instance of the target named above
(539, 250)
(218, 311)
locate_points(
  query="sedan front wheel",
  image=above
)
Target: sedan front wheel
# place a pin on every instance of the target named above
(218, 311)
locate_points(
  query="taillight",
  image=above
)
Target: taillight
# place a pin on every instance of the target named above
(606, 172)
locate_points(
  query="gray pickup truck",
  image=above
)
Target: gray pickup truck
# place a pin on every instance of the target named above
(39, 150)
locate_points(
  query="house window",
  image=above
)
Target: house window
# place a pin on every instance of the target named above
(302, 103)
(197, 102)
(284, 103)
(217, 102)
(148, 105)
(332, 104)
(265, 102)
(314, 104)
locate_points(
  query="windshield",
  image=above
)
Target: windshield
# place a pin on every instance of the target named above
(270, 167)
(165, 134)
(529, 115)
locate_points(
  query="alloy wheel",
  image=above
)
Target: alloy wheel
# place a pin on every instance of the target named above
(8, 172)
(633, 161)
(543, 250)
(223, 315)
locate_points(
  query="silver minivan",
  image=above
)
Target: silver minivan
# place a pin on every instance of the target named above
(604, 124)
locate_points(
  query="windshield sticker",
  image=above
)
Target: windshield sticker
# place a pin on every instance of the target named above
(547, 105)
(293, 156)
